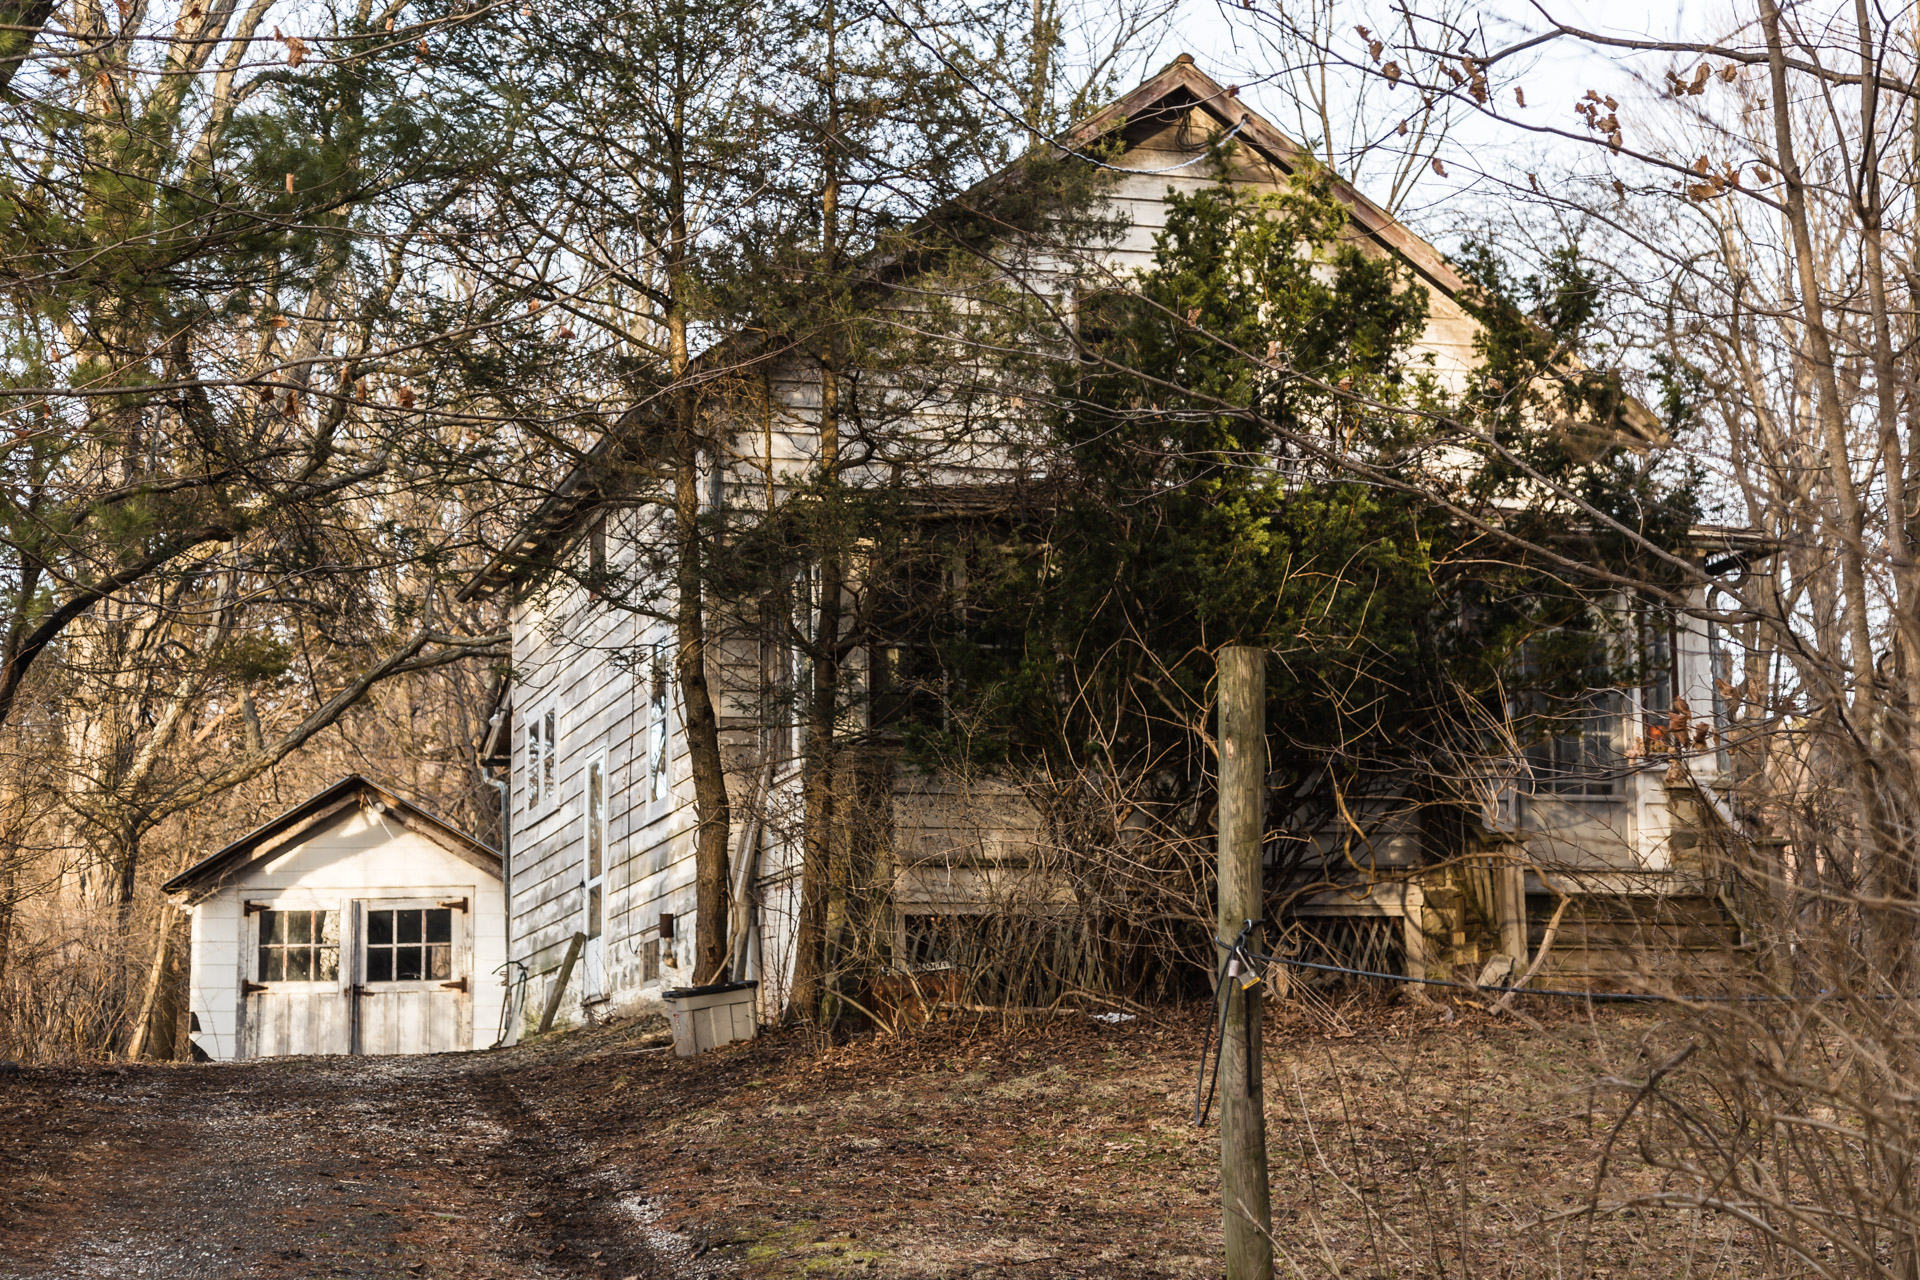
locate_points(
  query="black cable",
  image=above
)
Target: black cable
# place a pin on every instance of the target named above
(1220, 995)
(1602, 997)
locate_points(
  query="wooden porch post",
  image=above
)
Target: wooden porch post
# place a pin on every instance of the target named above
(1248, 1217)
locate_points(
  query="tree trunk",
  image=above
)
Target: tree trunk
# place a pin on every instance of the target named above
(150, 993)
(713, 817)
(812, 961)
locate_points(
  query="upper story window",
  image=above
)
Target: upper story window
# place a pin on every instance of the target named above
(541, 742)
(597, 557)
(658, 727)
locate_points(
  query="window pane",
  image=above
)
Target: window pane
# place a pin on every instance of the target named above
(380, 928)
(440, 924)
(406, 964)
(299, 964)
(593, 911)
(596, 822)
(299, 928)
(439, 962)
(327, 965)
(379, 965)
(533, 764)
(406, 926)
(270, 970)
(546, 762)
(329, 935)
(272, 927)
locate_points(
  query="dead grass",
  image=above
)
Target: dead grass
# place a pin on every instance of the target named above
(1405, 1140)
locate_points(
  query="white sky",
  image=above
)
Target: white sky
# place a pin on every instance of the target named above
(1220, 38)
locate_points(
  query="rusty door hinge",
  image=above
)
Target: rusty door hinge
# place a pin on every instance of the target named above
(453, 904)
(458, 984)
(252, 988)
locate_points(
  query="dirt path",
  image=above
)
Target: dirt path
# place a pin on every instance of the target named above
(319, 1167)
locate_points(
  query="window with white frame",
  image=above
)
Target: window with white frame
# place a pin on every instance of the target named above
(299, 946)
(596, 846)
(657, 726)
(541, 728)
(1571, 713)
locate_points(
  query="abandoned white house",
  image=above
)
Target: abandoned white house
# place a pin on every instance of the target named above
(599, 809)
(355, 922)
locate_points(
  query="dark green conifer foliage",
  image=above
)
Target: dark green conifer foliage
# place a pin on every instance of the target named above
(1252, 451)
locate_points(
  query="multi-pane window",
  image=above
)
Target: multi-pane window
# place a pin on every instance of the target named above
(299, 946)
(1572, 710)
(410, 944)
(540, 759)
(1576, 755)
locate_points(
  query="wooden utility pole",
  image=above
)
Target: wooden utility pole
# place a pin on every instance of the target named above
(1243, 1113)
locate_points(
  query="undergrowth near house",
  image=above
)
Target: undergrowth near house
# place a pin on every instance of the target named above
(1415, 1139)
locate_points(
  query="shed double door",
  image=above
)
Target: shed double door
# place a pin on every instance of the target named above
(413, 990)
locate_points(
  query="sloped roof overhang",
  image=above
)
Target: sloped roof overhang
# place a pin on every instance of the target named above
(310, 816)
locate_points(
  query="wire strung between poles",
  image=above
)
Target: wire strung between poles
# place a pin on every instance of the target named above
(1237, 958)
(1599, 997)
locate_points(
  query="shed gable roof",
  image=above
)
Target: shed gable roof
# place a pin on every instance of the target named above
(317, 811)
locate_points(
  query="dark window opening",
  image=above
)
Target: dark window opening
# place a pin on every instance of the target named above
(650, 961)
(1570, 712)
(410, 945)
(299, 946)
(597, 557)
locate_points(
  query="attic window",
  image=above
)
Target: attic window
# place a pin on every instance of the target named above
(299, 946)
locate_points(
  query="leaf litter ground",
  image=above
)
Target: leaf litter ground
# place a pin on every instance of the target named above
(1405, 1140)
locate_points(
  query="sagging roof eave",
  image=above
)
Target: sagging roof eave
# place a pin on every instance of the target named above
(552, 522)
(213, 870)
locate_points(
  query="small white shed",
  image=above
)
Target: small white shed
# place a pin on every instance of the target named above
(355, 922)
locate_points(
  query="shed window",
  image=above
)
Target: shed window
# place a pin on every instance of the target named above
(299, 946)
(410, 944)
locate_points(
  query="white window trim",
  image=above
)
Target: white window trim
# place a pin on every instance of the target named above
(658, 773)
(541, 736)
(596, 765)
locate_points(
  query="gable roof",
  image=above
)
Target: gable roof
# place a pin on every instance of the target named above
(1175, 90)
(286, 830)
(1181, 86)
